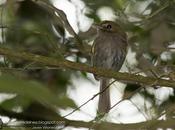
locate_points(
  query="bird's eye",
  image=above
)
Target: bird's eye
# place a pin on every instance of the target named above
(108, 26)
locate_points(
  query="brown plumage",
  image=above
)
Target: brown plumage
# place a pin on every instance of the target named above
(109, 51)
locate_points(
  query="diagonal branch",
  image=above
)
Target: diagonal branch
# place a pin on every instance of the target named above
(62, 16)
(131, 78)
(89, 99)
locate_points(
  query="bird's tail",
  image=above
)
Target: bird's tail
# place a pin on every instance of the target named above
(104, 97)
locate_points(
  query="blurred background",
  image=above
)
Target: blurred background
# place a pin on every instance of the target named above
(45, 92)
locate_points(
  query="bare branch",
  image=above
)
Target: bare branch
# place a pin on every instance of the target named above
(89, 99)
(63, 19)
(130, 78)
(97, 126)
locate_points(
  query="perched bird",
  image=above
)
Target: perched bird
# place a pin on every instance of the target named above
(109, 52)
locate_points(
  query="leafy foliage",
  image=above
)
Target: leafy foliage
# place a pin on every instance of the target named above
(29, 27)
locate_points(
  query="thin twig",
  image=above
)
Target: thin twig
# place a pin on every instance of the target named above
(63, 17)
(158, 11)
(127, 97)
(89, 99)
(139, 109)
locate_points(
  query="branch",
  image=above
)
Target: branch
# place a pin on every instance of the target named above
(90, 99)
(62, 16)
(97, 126)
(131, 78)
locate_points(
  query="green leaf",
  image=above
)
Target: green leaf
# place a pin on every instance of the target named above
(66, 101)
(16, 101)
(32, 90)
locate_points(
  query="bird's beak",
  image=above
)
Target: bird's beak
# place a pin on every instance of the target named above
(96, 26)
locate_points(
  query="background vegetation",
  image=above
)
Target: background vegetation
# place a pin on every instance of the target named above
(37, 90)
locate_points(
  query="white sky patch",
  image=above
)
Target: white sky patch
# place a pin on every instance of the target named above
(166, 56)
(1, 39)
(131, 57)
(75, 12)
(83, 22)
(71, 128)
(106, 13)
(172, 46)
(3, 97)
(138, 7)
(147, 12)
(69, 9)
(1, 58)
(163, 94)
(116, 91)
(82, 91)
(133, 18)
(2, 1)
(126, 112)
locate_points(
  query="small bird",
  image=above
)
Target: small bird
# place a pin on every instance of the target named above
(108, 51)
